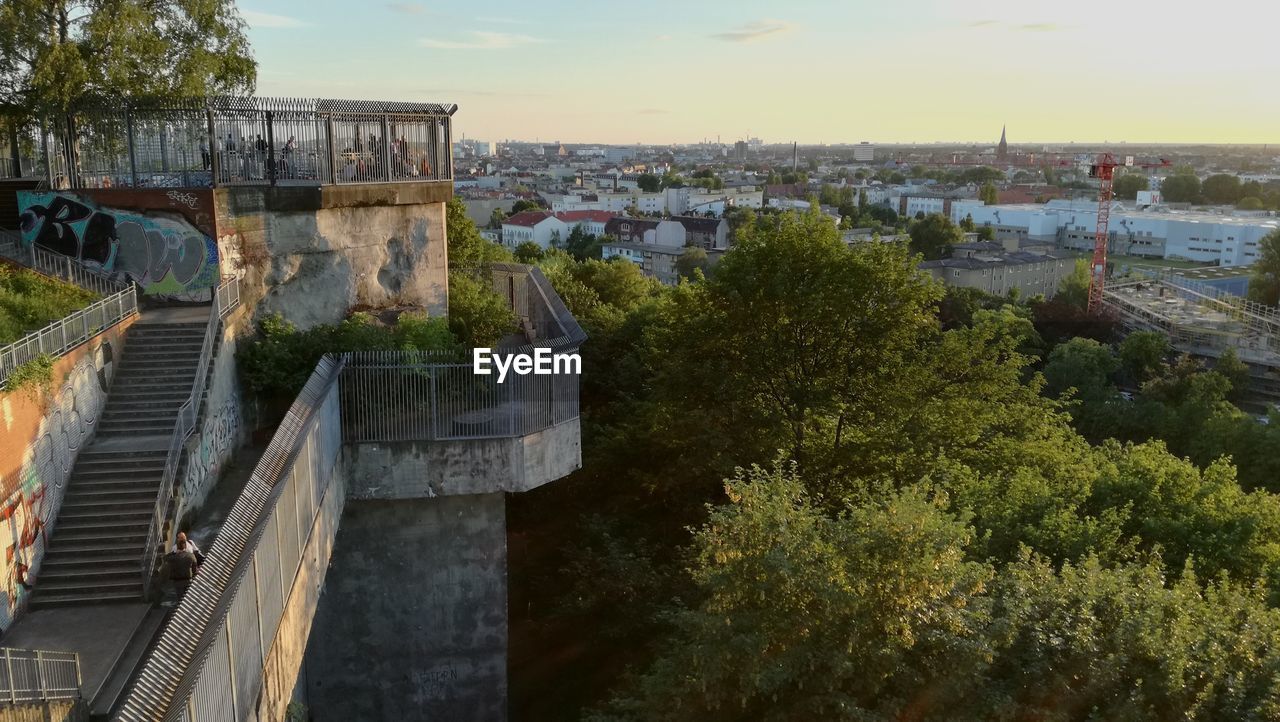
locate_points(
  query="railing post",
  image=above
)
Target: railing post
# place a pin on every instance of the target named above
(333, 150)
(48, 162)
(215, 163)
(386, 149)
(133, 160)
(271, 148)
(8, 665)
(44, 693)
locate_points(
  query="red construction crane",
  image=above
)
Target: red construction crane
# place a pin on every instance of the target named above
(1104, 170)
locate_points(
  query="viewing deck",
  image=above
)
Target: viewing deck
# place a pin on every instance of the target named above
(232, 141)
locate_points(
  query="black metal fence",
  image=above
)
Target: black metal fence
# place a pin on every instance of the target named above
(237, 141)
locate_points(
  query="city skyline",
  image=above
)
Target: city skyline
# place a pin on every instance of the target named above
(811, 72)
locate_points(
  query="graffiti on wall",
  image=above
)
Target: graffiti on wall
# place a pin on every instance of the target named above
(164, 251)
(32, 498)
(205, 461)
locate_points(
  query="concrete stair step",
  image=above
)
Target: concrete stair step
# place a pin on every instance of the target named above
(96, 529)
(156, 415)
(141, 391)
(116, 559)
(95, 546)
(78, 598)
(99, 503)
(158, 373)
(90, 576)
(114, 488)
(146, 402)
(129, 428)
(137, 357)
(107, 467)
(118, 518)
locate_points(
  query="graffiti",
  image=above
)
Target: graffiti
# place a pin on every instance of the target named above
(31, 504)
(163, 254)
(187, 199)
(205, 460)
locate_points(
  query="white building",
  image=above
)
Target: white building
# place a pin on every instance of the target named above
(538, 227)
(1225, 240)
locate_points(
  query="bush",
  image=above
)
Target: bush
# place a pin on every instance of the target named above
(30, 301)
(478, 316)
(34, 376)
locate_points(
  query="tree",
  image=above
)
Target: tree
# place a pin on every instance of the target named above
(1250, 203)
(1074, 288)
(988, 194)
(582, 245)
(1235, 371)
(1127, 185)
(966, 223)
(1082, 364)
(986, 233)
(528, 252)
(649, 183)
(1221, 188)
(933, 236)
(524, 204)
(1142, 355)
(56, 53)
(1181, 187)
(1264, 281)
(691, 260)
(882, 213)
(497, 217)
(467, 249)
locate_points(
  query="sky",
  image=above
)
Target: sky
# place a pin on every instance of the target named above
(897, 71)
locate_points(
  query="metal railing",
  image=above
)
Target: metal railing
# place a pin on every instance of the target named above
(65, 334)
(33, 675)
(225, 298)
(56, 265)
(209, 660)
(226, 141)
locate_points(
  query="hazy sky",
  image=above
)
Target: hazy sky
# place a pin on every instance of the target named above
(660, 71)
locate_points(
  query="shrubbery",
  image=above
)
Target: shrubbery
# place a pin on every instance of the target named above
(30, 301)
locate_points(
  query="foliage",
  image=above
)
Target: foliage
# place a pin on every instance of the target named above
(988, 194)
(55, 54)
(933, 236)
(30, 301)
(467, 248)
(692, 261)
(649, 183)
(1181, 187)
(478, 316)
(1142, 355)
(582, 245)
(1126, 185)
(1221, 189)
(1073, 290)
(528, 252)
(524, 204)
(1264, 281)
(278, 362)
(35, 377)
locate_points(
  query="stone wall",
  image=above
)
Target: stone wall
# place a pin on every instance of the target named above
(40, 435)
(412, 622)
(312, 254)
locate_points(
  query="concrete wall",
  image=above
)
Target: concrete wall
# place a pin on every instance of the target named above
(222, 429)
(63, 711)
(314, 253)
(412, 624)
(40, 435)
(161, 239)
(416, 470)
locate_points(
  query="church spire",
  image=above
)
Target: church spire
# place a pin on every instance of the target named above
(1002, 150)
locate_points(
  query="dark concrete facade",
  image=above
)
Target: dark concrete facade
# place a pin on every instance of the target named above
(412, 622)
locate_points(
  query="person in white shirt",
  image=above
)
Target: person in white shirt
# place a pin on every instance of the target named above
(190, 546)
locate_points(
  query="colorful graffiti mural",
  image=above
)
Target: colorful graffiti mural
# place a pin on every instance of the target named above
(214, 447)
(32, 499)
(161, 249)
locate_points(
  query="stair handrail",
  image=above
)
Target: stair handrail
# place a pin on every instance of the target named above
(226, 297)
(58, 266)
(59, 337)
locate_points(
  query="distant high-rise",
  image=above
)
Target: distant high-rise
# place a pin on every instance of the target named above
(1002, 150)
(864, 152)
(740, 150)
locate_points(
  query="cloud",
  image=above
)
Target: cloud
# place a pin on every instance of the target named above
(481, 40)
(495, 19)
(409, 8)
(1039, 27)
(267, 20)
(752, 32)
(653, 111)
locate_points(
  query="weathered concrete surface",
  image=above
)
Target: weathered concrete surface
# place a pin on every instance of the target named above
(423, 469)
(62, 711)
(412, 624)
(314, 261)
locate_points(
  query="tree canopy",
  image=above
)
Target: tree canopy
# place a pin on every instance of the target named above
(56, 53)
(934, 235)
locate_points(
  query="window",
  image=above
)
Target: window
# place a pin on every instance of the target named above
(955, 274)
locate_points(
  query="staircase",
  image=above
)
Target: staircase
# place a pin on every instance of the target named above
(95, 552)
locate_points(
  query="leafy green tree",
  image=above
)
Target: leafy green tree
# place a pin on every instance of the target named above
(1264, 279)
(525, 204)
(966, 223)
(582, 245)
(1181, 187)
(528, 252)
(1221, 189)
(56, 53)
(1142, 355)
(1082, 364)
(478, 316)
(1250, 203)
(692, 260)
(497, 217)
(988, 194)
(467, 248)
(986, 233)
(1074, 288)
(649, 183)
(1127, 185)
(882, 213)
(1235, 371)
(933, 236)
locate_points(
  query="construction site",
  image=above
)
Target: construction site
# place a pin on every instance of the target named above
(1203, 321)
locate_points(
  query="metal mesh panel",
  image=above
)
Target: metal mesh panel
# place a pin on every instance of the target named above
(246, 640)
(270, 594)
(212, 700)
